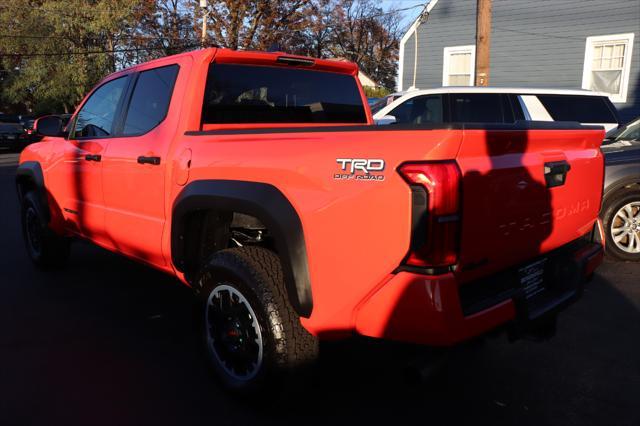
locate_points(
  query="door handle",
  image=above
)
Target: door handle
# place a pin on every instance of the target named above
(93, 157)
(155, 161)
(555, 173)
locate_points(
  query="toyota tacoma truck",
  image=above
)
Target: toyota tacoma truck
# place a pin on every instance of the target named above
(260, 181)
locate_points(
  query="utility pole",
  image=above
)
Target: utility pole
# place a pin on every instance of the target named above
(483, 42)
(205, 16)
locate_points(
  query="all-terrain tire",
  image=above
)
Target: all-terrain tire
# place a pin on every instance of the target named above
(258, 326)
(45, 248)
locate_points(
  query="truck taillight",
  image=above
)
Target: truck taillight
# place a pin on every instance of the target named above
(436, 212)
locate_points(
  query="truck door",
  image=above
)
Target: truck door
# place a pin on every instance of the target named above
(135, 165)
(77, 178)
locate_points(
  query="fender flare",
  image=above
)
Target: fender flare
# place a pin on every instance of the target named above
(262, 201)
(30, 173)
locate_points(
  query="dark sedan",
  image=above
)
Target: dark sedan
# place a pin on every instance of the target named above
(12, 136)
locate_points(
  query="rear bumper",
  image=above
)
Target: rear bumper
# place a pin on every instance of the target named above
(432, 310)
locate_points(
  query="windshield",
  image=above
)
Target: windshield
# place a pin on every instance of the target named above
(10, 128)
(630, 132)
(7, 118)
(383, 103)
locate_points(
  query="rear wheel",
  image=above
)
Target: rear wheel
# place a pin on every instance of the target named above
(44, 247)
(622, 225)
(253, 338)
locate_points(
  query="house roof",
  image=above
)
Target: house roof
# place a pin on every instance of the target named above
(365, 80)
(418, 20)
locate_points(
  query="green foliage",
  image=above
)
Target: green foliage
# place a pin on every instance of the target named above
(376, 92)
(52, 52)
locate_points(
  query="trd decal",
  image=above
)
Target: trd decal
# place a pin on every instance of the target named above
(360, 169)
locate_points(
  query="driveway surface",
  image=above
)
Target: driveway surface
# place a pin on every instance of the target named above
(109, 342)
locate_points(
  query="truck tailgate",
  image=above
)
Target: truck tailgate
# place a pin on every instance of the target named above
(525, 193)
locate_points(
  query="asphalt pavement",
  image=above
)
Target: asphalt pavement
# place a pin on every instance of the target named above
(109, 342)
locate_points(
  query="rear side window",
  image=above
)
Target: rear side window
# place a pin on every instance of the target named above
(419, 110)
(97, 116)
(478, 108)
(150, 100)
(402, 112)
(258, 94)
(583, 109)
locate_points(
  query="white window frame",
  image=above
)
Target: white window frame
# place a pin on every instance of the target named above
(626, 66)
(448, 51)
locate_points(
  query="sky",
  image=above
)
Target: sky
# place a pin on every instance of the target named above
(409, 15)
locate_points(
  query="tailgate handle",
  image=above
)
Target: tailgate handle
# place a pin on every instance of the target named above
(555, 173)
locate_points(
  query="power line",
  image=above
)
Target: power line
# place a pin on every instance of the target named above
(132, 37)
(546, 35)
(95, 52)
(390, 12)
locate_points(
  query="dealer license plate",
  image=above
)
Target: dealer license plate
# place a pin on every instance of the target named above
(532, 278)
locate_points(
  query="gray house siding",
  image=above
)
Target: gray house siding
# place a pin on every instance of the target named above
(533, 43)
(451, 23)
(409, 60)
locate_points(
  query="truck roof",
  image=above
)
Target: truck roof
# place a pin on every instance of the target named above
(249, 57)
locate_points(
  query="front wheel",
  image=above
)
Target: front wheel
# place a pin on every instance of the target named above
(622, 224)
(45, 248)
(253, 338)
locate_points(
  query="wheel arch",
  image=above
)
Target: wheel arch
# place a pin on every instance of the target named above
(261, 201)
(29, 177)
(614, 189)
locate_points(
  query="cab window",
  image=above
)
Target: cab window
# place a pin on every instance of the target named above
(262, 94)
(97, 117)
(150, 100)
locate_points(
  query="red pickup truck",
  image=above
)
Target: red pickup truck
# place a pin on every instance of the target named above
(259, 181)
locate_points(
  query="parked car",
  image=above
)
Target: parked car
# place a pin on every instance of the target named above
(21, 119)
(260, 181)
(26, 119)
(383, 102)
(12, 136)
(621, 204)
(10, 118)
(498, 105)
(30, 134)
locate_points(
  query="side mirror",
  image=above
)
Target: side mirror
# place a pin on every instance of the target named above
(50, 125)
(386, 120)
